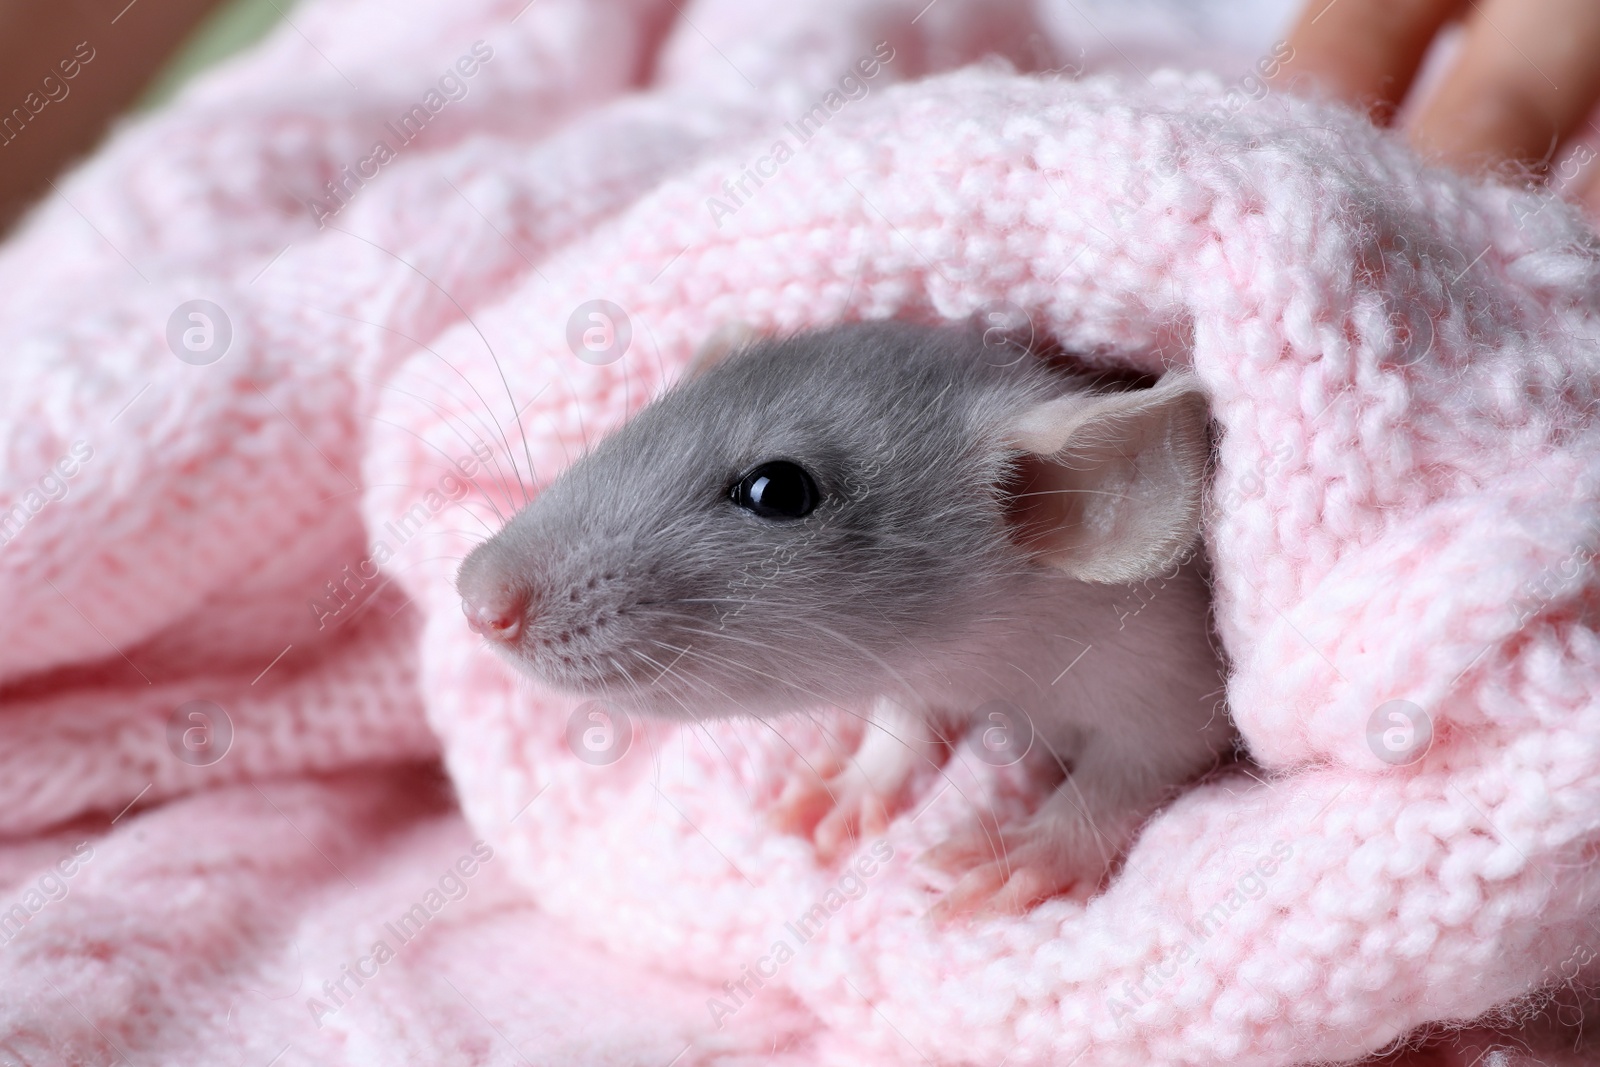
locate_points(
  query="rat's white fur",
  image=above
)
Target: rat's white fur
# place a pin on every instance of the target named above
(1120, 694)
(980, 524)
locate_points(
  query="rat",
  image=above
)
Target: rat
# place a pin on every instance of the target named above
(956, 536)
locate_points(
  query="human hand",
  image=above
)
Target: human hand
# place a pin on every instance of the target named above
(1523, 84)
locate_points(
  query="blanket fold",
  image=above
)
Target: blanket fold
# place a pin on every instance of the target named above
(265, 516)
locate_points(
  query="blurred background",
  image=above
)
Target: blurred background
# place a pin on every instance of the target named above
(144, 51)
(141, 59)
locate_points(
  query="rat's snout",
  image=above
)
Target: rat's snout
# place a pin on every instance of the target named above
(495, 603)
(496, 613)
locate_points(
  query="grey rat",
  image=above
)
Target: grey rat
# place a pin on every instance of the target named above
(903, 518)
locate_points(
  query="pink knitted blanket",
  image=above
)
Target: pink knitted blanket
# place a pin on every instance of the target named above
(278, 356)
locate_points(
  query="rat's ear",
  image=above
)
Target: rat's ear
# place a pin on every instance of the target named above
(724, 341)
(1109, 486)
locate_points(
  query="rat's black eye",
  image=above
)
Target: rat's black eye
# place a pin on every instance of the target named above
(776, 490)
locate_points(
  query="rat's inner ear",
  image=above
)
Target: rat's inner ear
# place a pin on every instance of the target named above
(1108, 488)
(723, 342)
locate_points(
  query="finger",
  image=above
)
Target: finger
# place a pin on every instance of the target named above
(970, 894)
(1589, 189)
(1525, 78)
(805, 801)
(1365, 52)
(955, 856)
(874, 816)
(837, 833)
(982, 841)
(1026, 887)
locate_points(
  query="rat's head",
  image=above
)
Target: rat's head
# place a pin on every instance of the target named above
(801, 519)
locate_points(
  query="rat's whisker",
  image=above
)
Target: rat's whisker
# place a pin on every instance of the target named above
(467, 316)
(776, 733)
(1075, 492)
(426, 348)
(451, 422)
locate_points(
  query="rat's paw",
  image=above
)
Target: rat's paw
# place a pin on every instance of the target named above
(837, 811)
(805, 800)
(996, 889)
(861, 809)
(1007, 872)
(838, 805)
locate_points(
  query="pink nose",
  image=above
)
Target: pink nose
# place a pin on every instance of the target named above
(497, 616)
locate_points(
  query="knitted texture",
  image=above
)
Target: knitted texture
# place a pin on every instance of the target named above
(1403, 512)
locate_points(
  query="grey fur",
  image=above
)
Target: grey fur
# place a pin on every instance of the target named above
(899, 426)
(908, 590)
